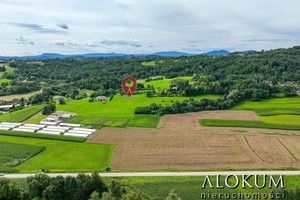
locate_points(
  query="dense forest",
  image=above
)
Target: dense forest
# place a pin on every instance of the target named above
(105, 73)
(237, 76)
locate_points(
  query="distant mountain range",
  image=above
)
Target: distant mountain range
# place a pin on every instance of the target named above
(97, 55)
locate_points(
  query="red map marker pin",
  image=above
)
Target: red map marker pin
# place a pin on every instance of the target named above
(129, 90)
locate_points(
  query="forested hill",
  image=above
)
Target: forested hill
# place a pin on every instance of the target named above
(105, 73)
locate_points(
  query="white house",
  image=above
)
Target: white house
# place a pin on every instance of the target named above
(101, 98)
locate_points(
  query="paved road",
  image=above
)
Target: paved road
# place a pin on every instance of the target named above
(132, 174)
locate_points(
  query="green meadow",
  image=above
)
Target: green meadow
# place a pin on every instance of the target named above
(164, 83)
(148, 121)
(99, 121)
(275, 111)
(158, 84)
(151, 63)
(61, 156)
(42, 136)
(5, 81)
(282, 119)
(21, 115)
(18, 96)
(36, 118)
(247, 124)
(191, 187)
(8, 69)
(288, 104)
(120, 106)
(12, 154)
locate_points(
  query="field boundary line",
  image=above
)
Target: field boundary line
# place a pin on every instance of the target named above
(287, 149)
(253, 149)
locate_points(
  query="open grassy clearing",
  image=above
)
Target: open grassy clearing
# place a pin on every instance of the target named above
(148, 121)
(120, 106)
(12, 155)
(277, 111)
(5, 81)
(18, 96)
(164, 83)
(282, 119)
(36, 118)
(42, 136)
(8, 69)
(267, 105)
(21, 115)
(152, 63)
(61, 156)
(247, 124)
(158, 84)
(99, 121)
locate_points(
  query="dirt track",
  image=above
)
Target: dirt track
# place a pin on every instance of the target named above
(183, 144)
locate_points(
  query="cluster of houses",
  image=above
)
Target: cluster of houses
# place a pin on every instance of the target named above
(99, 98)
(270, 83)
(6, 106)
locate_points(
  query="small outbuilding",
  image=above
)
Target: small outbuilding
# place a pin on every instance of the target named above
(15, 101)
(101, 98)
(65, 116)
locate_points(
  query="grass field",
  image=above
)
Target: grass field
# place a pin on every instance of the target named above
(5, 81)
(186, 187)
(120, 106)
(42, 136)
(247, 124)
(61, 156)
(282, 119)
(283, 104)
(148, 121)
(278, 111)
(8, 69)
(189, 188)
(21, 115)
(158, 84)
(99, 121)
(12, 154)
(36, 118)
(164, 83)
(151, 63)
(18, 96)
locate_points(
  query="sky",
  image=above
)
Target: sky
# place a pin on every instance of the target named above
(33, 27)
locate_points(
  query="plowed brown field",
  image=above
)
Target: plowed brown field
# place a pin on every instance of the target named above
(183, 145)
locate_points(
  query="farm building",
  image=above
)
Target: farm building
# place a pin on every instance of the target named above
(101, 98)
(49, 119)
(65, 116)
(56, 98)
(15, 101)
(6, 107)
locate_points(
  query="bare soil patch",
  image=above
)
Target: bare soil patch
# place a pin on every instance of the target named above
(142, 149)
(180, 143)
(190, 121)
